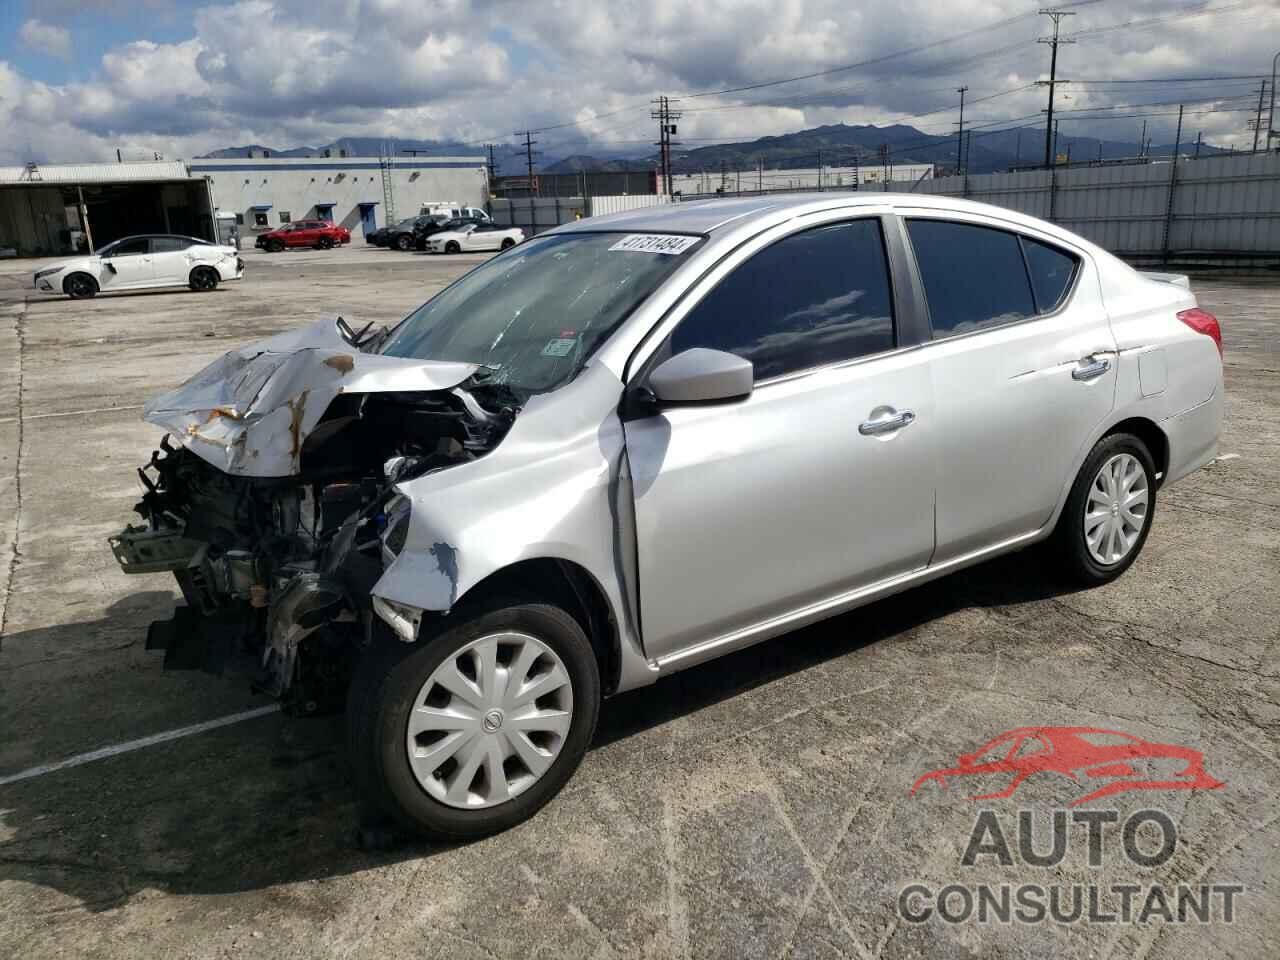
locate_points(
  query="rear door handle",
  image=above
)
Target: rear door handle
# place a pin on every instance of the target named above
(869, 428)
(1095, 368)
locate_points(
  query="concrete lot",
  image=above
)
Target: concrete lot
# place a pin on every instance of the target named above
(754, 807)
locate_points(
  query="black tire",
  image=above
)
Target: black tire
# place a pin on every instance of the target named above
(79, 286)
(203, 279)
(387, 681)
(404, 242)
(452, 247)
(275, 246)
(325, 243)
(508, 243)
(1069, 544)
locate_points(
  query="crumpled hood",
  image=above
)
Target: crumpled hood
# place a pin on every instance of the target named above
(250, 411)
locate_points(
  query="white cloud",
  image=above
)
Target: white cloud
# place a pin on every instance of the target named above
(293, 72)
(46, 38)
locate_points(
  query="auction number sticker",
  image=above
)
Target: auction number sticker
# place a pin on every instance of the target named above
(667, 243)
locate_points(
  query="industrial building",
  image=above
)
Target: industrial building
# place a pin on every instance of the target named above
(63, 208)
(50, 209)
(361, 193)
(759, 180)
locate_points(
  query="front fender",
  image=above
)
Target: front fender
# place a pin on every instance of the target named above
(556, 487)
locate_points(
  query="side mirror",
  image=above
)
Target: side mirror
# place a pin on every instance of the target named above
(700, 375)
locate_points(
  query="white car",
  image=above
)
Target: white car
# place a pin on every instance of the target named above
(475, 236)
(143, 263)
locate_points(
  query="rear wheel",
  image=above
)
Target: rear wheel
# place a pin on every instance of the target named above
(452, 247)
(1109, 511)
(473, 730)
(79, 286)
(203, 279)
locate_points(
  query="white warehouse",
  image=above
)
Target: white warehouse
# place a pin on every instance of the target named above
(265, 192)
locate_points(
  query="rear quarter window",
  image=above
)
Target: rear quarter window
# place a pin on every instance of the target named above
(1052, 271)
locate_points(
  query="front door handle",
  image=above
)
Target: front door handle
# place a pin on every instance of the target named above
(1095, 368)
(869, 428)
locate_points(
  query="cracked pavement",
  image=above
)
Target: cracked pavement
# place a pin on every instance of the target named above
(756, 806)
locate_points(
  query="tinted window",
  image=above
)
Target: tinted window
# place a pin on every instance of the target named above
(128, 248)
(168, 244)
(973, 276)
(1051, 273)
(813, 298)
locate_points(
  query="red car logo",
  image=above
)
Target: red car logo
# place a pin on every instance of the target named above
(1080, 753)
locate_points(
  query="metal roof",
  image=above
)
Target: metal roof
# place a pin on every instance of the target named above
(86, 173)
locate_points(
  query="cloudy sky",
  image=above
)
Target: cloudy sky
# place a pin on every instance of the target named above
(80, 79)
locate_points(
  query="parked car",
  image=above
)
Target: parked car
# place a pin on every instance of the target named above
(320, 234)
(648, 440)
(403, 236)
(474, 236)
(142, 263)
(429, 229)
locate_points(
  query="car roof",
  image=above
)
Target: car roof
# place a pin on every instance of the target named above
(160, 236)
(725, 215)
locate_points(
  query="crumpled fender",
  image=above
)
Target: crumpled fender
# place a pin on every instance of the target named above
(557, 487)
(250, 411)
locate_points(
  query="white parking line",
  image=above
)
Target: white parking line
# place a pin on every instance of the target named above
(150, 741)
(72, 413)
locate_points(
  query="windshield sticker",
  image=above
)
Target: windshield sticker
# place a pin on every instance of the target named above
(654, 243)
(559, 347)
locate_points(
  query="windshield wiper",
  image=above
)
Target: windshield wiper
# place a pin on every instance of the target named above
(359, 340)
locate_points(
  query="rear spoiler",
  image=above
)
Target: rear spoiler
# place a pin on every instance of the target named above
(1177, 279)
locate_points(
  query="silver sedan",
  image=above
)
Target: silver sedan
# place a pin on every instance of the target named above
(638, 442)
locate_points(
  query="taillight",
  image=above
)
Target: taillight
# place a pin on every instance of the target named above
(1202, 321)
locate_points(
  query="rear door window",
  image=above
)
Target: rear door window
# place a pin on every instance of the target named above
(168, 244)
(974, 277)
(816, 297)
(1051, 271)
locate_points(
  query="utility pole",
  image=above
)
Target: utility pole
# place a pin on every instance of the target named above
(884, 161)
(1017, 150)
(1257, 124)
(819, 171)
(493, 168)
(1271, 114)
(666, 118)
(1173, 186)
(968, 150)
(1199, 134)
(1056, 16)
(960, 132)
(529, 154)
(1142, 141)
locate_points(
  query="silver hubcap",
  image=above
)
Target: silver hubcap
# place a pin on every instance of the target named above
(1116, 510)
(490, 721)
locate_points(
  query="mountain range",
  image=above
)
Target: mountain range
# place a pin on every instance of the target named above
(836, 144)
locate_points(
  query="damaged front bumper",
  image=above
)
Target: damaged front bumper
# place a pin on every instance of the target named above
(277, 510)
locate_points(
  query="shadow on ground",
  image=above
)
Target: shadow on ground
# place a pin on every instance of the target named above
(267, 802)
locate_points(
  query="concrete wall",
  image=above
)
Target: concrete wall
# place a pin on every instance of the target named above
(295, 186)
(1223, 206)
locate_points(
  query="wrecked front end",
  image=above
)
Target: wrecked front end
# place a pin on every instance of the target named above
(276, 508)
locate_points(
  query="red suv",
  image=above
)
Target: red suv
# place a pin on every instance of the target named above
(304, 233)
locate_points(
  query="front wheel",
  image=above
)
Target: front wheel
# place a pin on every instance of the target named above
(404, 242)
(471, 731)
(508, 243)
(275, 246)
(79, 286)
(1109, 511)
(452, 247)
(325, 243)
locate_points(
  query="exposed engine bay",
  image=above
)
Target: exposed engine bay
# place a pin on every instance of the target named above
(280, 568)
